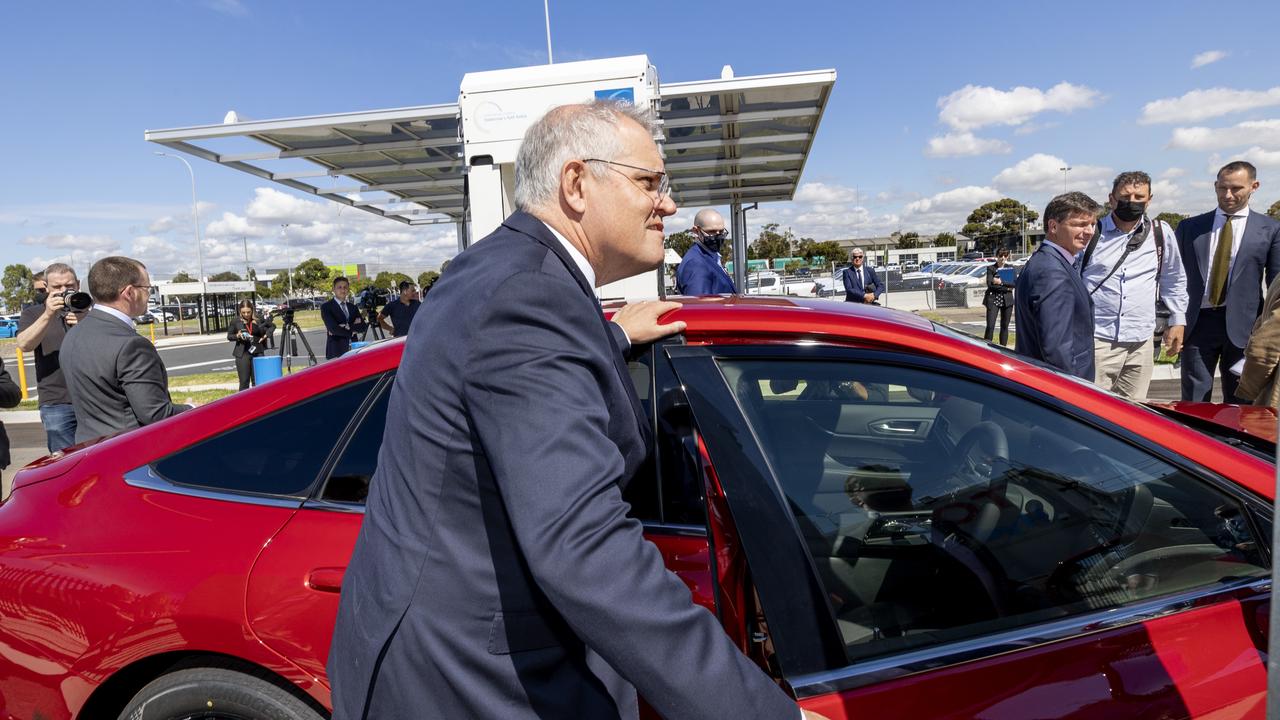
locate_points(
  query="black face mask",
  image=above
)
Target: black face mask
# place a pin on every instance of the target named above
(714, 242)
(1129, 210)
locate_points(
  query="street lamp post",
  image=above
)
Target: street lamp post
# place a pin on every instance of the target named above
(195, 215)
(1064, 170)
(288, 255)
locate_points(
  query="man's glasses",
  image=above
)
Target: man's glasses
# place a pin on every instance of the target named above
(857, 257)
(646, 184)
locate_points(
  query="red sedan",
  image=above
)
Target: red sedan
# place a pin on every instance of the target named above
(892, 519)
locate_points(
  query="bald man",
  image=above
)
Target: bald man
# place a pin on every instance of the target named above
(700, 271)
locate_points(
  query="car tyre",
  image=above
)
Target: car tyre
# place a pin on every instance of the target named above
(215, 694)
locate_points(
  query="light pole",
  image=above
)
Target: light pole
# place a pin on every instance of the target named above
(1064, 170)
(195, 216)
(288, 255)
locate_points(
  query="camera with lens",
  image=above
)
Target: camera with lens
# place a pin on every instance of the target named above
(73, 300)
(370, 300)
(285, 312)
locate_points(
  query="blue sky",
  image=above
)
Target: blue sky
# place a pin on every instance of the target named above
(938, 106)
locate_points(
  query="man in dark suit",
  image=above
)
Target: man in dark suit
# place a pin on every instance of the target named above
(861, 284)
(486, 579)
(342, 320)
(1226, 253)
(114, 375)
(1052, 306)
(700, 271)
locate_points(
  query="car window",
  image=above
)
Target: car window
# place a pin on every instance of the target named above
(938, 509)
(668, 490)
(348, 480)
(279, 454)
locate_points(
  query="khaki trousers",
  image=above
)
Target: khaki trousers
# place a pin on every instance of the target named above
(1123, 368)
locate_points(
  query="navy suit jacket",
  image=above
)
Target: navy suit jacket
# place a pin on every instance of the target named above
(497, 574)
(1054, 313)
(854, 288)
(700, 273)
(1259, 252)
(339, 338)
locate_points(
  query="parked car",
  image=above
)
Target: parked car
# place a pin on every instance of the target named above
(144, 319)
(8, 328)
(893, 519)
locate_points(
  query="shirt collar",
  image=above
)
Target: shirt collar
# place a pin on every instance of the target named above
(1244, 212)
(578, 258)
(116, 313)
(1071, 259)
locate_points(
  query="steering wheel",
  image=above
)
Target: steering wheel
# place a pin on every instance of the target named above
(982, 453)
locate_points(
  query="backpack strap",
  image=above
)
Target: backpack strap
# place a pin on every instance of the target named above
(1088, 249)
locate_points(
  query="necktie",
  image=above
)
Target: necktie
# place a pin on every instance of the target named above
(1221, 264)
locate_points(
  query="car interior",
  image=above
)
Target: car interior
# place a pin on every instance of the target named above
(938, 509)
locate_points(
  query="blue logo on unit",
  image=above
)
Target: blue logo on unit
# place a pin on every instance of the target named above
(619, 94)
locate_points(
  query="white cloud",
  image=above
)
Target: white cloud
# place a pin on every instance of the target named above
(234, 8)
(1261, 157)
(1260, 132)
(965, 144)
(1203, 104)
(1044, 173)
(816, 192)
(87, 243)
(1173, 172)
(1204, 58)
(161, 225)
(963, 198)
(973, 106)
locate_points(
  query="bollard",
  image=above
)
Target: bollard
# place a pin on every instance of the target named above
(22, 373)
(152, 327)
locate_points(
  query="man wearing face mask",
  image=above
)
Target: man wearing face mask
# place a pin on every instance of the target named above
(700, 271)
(1226, 252)
(1131, 263)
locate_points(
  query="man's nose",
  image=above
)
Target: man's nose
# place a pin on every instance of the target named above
(666, 206)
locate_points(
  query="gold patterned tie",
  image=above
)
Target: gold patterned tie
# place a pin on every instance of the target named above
(1221, 263)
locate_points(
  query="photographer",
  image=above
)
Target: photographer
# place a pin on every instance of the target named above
(342, 320)
(249, 335)
(41, 328)
(400, 312)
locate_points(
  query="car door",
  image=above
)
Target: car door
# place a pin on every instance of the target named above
(292, 598)
(1032, 562)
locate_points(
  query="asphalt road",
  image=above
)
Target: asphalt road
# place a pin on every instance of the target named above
(210, 355)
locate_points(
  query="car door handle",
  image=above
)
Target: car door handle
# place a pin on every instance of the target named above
(897, 427)
(326, 579)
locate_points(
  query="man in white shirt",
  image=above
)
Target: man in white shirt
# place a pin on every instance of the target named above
(1132, 262)
(1225, 253)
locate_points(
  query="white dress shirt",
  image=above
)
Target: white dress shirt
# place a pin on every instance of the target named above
(1124, 307)
(1238, 221)
(116, 313)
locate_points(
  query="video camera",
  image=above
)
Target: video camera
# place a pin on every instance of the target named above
(285, 312)
(73, 300)
(370, 300)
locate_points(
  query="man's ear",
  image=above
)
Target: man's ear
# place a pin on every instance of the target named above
(572, 185)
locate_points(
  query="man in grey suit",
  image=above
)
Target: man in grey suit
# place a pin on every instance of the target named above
(496, 574)
(115, 376)
(1226, 253)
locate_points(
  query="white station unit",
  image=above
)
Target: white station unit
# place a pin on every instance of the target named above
(498, 106)
(732, 141)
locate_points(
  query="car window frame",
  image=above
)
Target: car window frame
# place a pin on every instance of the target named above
(145, 476)
(841, 675)
(313, 500)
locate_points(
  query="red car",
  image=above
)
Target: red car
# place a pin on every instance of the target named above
(892, 519)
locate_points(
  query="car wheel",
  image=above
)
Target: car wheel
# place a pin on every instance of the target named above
(215, 694)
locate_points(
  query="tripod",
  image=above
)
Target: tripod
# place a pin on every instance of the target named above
(288, 333)
(372, 328)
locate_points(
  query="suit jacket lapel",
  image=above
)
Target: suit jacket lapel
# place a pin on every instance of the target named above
(1251, 240)
(1202, 250)
(527, 224)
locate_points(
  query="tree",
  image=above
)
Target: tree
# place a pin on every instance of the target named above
(944, 240)
(909, 241)
(182, 277)
(359, 284)
(17, 286)
(280, 283)
(227, 276)
(390, 280)
(825, 251)
(993, 222)
(426, 279)
(770, 243)
(312, 273)
(680, 242)
(1174, 218)
(1274, 210)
